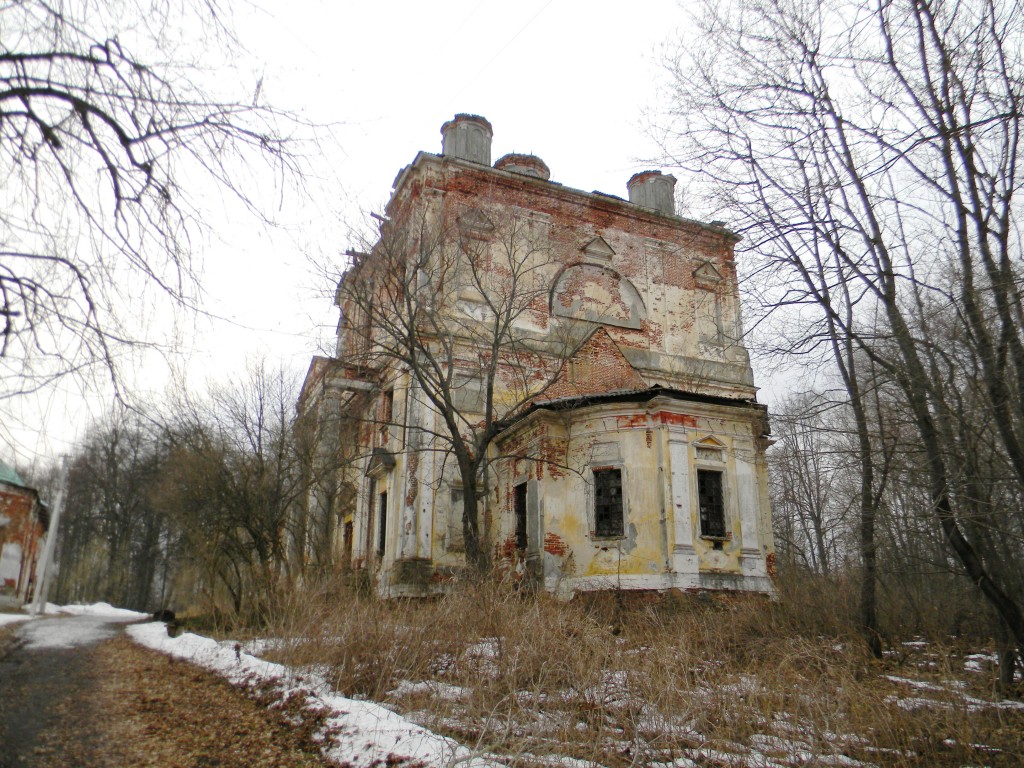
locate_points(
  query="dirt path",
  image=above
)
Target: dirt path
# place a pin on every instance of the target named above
(116, 704)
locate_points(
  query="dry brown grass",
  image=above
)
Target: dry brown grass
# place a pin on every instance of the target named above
(637, 679)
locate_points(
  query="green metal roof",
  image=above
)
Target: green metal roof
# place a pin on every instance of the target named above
(9, 476)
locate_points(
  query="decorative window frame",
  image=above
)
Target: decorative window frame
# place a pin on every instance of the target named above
(709, 454)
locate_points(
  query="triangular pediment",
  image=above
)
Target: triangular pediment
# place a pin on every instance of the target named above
(708, 449)
(476, 221)
(599, 249)
(707, 273)
(598, 367)
(710, 442)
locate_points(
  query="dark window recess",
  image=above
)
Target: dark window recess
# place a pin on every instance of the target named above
(382, 524)
(371, 499)
(712, 503)
(608, 502)
(520, 509)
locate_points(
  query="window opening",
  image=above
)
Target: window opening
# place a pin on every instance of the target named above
(382, 524)
(608, 502)
(520, 510)
(371, 501)
(712, 503)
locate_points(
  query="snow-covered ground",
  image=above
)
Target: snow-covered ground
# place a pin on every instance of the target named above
(71, 625)
(362, 733)
(13, 618)
(357, 733)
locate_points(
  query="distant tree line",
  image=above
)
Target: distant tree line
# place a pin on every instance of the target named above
(204, 506)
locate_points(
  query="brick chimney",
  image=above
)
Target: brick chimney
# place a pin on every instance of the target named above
(467, 137)
(524, 165)
(653, 189)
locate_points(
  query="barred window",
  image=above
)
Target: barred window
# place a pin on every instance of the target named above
(608, 502)
(712, 503)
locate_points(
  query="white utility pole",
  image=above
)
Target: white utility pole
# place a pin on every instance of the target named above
(44, 568)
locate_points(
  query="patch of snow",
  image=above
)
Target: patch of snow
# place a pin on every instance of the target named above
(76, 625)
(916, 702)
(837, 759)
(954, 689)
(919, 684)
(359, 733)
(976, 704)
(746, 759)
(487, 648)
(105, 610)
(980, 662)
(13, 618)
(979, 747)
(770, 743)
(434, 688)
(557, 761)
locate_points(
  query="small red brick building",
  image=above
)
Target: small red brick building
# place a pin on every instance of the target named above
(24, 520)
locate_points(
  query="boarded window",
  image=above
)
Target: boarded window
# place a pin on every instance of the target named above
(608, 502)
(386, 414)
(712, 503)
(455, 541)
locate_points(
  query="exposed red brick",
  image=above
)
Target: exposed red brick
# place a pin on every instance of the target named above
(554, 545)
(677, 419)
(631, 421)
(507, 550)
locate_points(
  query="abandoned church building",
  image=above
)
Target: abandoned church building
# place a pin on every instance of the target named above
(544, 379)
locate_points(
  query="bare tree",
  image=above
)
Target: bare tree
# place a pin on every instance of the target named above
(810, 478)
(111, 119)
(458, 302)
(875, 146)
(113, 537)
(231, 481)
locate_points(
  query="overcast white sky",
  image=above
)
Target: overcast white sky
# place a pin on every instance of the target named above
(568, 80)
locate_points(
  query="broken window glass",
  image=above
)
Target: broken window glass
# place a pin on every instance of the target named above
(712, 503)
(608, 502)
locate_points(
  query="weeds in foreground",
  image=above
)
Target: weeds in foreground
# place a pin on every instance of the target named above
(645, 680)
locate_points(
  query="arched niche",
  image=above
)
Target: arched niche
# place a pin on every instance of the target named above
(597, 294)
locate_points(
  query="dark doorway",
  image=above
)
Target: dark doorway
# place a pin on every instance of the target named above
(382, 524)
(346, 546)
(520, 509)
